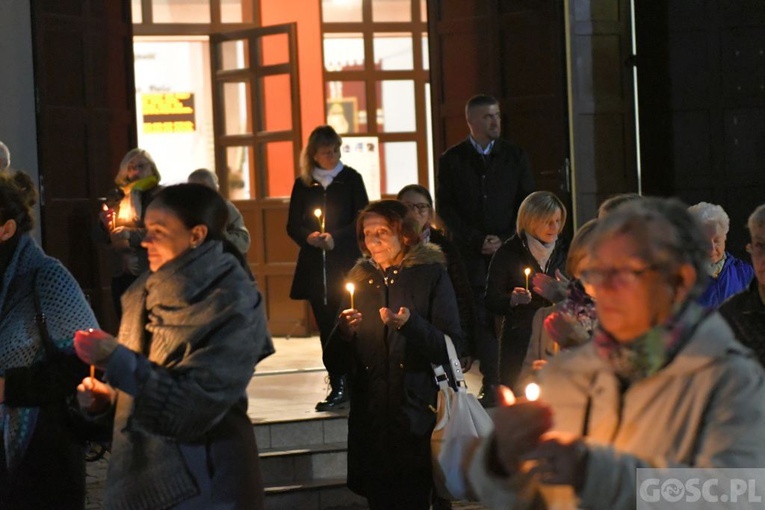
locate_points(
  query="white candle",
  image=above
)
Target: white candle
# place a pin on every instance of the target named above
(532, 391)
(350, 288)
(527, 272)
(320, 217)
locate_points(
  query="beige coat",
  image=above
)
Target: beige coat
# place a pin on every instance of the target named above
(705, 409)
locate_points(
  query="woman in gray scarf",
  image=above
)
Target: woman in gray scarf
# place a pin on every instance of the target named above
(193, 329)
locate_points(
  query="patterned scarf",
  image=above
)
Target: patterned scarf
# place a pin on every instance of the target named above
(652, 351)
(578, 305)
(715, 268)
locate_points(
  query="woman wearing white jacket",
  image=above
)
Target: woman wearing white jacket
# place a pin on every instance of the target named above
(663, 383)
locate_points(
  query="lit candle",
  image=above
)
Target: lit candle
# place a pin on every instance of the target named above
(320, 217)
(532, 392)
(527, 272)
(350, 288)
(92, 371)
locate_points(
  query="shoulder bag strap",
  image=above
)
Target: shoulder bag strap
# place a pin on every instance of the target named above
(42, 325)
(442, 379)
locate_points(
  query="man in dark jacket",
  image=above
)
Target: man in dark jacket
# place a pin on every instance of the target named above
(745, 312)
(481, 183)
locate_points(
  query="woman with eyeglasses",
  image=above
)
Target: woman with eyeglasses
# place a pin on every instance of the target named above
(121, 220)
(325, 201)
(664, 383)
(538, 247)
(728, 275)
(418, 199)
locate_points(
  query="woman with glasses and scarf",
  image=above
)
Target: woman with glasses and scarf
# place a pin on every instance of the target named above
(662, 384)
(325, 201)
(121, 219)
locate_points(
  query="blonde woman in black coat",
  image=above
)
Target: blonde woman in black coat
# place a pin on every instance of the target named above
(327, 242)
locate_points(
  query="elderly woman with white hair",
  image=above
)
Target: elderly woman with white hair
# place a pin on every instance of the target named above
(663, 383)
(728, 274)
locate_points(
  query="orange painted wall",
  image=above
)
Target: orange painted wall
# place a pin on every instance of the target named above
(307, 14)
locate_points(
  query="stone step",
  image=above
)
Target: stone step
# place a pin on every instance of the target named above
(325, 494)
(328, 461)
(321, 428)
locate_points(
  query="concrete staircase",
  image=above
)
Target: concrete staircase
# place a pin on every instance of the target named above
(304, 463)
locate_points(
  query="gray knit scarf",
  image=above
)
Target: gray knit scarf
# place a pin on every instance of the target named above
(182, 307)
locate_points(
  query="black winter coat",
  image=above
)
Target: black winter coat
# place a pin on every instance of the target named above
(745, 313)
(341, 203)
(476, 198)
(506, 273)
(393, 391)
(458, 274)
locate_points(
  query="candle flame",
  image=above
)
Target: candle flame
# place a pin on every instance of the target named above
(317, 213)
(350, 287)
(506, 395)
(532, 391)
(105, 207)
(527, 271)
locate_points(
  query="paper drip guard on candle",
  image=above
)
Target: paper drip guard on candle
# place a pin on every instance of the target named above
(350, 288)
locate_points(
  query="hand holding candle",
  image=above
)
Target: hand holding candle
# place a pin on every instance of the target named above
(350, 288)
(94, 346)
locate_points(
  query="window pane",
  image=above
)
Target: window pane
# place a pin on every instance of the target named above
(393, 51)
(240, 172)
(174, 125)
(396, 106)
(235, 118)
(400, 163)
(276, 108)
(391, 10)
(347, 106)
(233, 55)
(136, 12)
(231, 11)
(181, 11)
(280, 168)
(429, 131)
(275, 49)
(423, 10)
(343, 52)
(333, 11)
(425, 52)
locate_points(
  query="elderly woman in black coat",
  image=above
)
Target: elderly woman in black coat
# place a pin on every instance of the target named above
(386, 342)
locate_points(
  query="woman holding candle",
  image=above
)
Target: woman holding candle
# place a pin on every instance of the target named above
(121, 226)
(325, 201)
(42, 463)
(417, 198)
(664, 383)
(404, 305)
(535, 246)
(193, 329)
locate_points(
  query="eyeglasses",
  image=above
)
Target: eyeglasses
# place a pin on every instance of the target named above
(420, 208)
(757, 249)
(618, 276)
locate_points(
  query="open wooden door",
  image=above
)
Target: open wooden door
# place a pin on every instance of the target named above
(515, 51)
(256, 111)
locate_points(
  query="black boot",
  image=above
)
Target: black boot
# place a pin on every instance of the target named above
(337, 398)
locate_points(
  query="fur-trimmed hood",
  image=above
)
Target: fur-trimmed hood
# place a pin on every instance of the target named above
(420, 254)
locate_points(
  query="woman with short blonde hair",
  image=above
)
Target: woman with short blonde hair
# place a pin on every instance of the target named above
(538, 248)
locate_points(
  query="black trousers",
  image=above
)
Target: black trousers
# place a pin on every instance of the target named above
(326, 317)
(487, 345)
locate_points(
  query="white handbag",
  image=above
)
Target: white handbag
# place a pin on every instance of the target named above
(460, 422)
